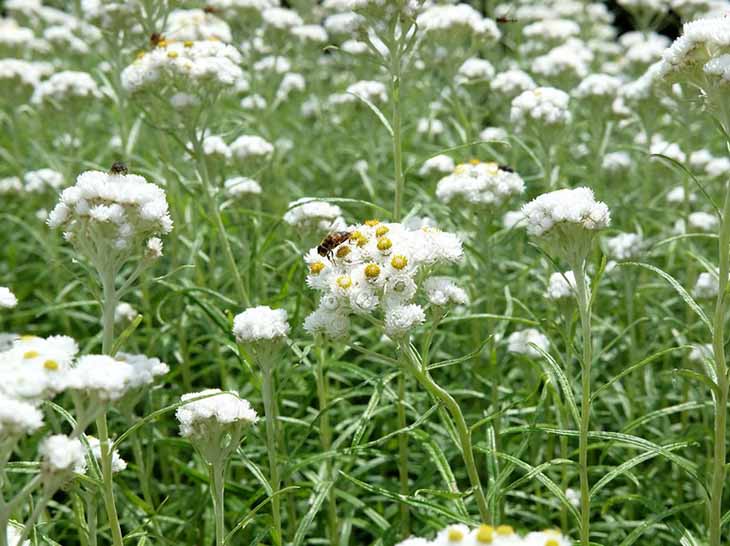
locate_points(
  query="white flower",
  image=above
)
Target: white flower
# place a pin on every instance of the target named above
(573, 496)
(522, 342)
(457, 18)
(367, 89)
(543, 105)
(700, 42)
(430, 127)
(598, 85)
(480, 183)
(676, 195)
(144, 369)
(554, 30)
(494, 134)
(261, 324)
(572, 206)
(116, 211)
(718, 167)
(240, 186)
(214, 145)
(306, 212)
(59, 453)
(333, 324)
(310, 33)
(17, 70)
(706, 286)
(14, 534)
(561, 286)
(546, 538)
(514, 219)
(402, 319)
(699, 158)
(18, 417)
(701, 353)
(66, 85)
(625, 246)
(101, 376)
(253, 102)
(118, 464)
(195, 24)
(512, 82)
(7, 298)
(281, 18)
(442, 291)
(214, 407)
(439, 163)
(153, 248)
(475, 69)
(248, 146)
(703, 221)
(615, 162)
(124, 312)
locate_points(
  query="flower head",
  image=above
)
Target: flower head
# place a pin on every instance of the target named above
(261, 325)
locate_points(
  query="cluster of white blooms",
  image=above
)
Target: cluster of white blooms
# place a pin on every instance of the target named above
(502, 535)
(480, 183)
(7, 298)
(570, 60)
(42, 179)
(493, 134)
(212, 408)
(598, 85)
(701, 353)
(261, 324)
(525, 341)
(616, 161)
(309, 214)
(64, 86)
(240, 186)
(512, 83)
(542, 105)
(18, 417)
(189, 66)
(706, 286)
(551, 30)
(625, 246)
(703, 45)
(569, 206)
(108, 379)
(61, 454)
(703, 221)
(196, 24)
(251, 146)
(281, 18)
(378, 266)
(20, 71)
(561, 286)
(104, 210)
(118, 464)
(437, 164)
(475, 69)
(369, 90)
(442, 291)
(124, 312)
(457, 18)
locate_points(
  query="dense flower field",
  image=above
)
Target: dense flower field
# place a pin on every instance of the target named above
(364, 272)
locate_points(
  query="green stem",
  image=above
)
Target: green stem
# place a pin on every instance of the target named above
(584, 308)
(217, 487)
(271, 447)
(405, 516)
(424, 378)
(395, 74)
(721, 398)
(325, 435)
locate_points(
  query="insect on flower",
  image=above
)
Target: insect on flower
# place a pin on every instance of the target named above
(119, 167)
(332, 241)
(156, 38)
(210, 9)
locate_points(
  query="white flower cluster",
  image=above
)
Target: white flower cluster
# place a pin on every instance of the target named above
(570, 206)
(211, 409)
(625, 246)
(502, 535)
(542, 105)
(191, 67)
(379, 266)
(512, 83)
(480, 183)
(706, 286)
(704, 44)
(561, 286)
(598, 86)
(42, 179)
(309, 214)
(437, 164)
(457, 18)
(18, 417)
(239, 186)
(17, 70)
(196, 24)
(64, 86)
(261, 324)
(475, 69)
(526, 342)
(118, 464)
(61, 454)
(7, 298)
(35, 369)
(251, 146)
(104, 210)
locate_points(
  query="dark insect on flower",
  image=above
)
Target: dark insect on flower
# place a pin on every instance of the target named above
(156, 38)
(119, 167)
(210, 9)
(332, 241)
(505, 20)
(506, 168)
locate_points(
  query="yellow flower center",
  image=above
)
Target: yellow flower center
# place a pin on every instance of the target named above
(316, 268)
(30, 354)
(461, 168)
(384, 243)
(27, 338)
(343, 251)
(455, 535)
(372, 271)
(140, 55)
(474, 162)
(344, 281)
(372, 223)
(505, 530)
(399, 262)
(162, 43)
(50, 365)
(382, 230)
(172, 54)
(188, 43)
(492, 168)
(485, 534)
(552, 542)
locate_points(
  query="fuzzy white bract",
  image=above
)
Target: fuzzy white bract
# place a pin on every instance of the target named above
(61, 454)
(113, 213)
(377, 268)
(480, 183)
(118, 464)
(7, 298)
(261, 324)
(576, 207)
(561, 286)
